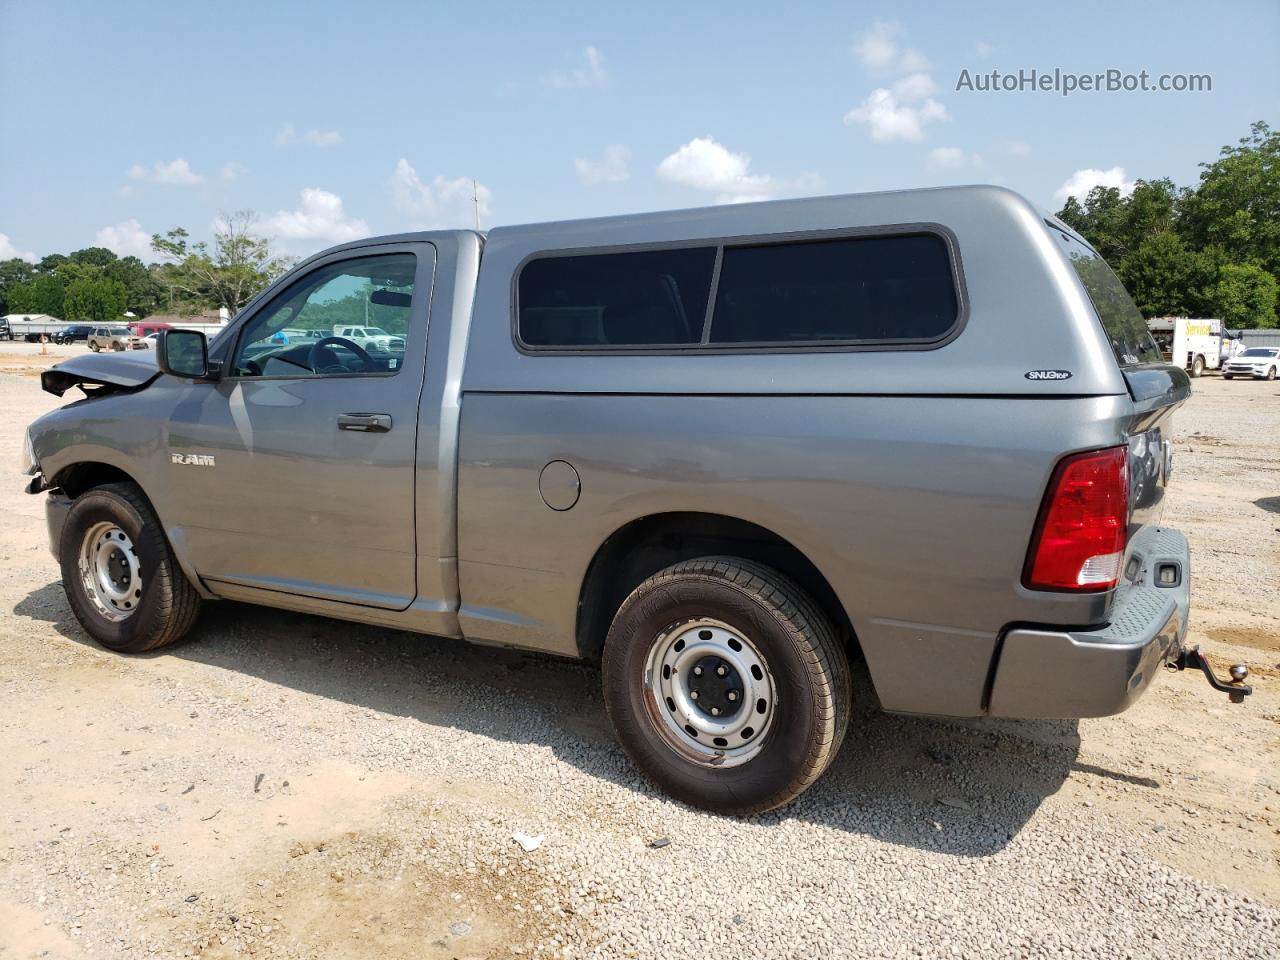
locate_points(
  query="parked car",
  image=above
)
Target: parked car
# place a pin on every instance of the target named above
(1258, 362)
(720, 452)
(374, 339)
(144, 328)
(115, 338)
(74, 333)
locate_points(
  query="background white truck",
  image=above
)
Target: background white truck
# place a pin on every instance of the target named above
(1195, 344)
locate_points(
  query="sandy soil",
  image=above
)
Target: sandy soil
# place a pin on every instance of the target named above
(287, 785)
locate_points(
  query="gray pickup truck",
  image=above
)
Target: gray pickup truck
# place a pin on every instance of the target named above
(722, 452)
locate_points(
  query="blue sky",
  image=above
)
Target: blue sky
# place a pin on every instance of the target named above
(333, 121)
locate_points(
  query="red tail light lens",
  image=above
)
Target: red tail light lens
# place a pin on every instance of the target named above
(1080, 538)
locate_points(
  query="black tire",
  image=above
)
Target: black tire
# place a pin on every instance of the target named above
(1226, 376)
(800, 649)
(94, 347)
(1271, 374)
(1197, 366)
(168, 604)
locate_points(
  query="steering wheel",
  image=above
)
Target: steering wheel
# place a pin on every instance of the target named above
(313, 357)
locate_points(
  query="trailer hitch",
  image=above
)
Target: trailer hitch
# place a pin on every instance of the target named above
(1235, 688)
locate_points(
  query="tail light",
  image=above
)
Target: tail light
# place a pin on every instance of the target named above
(1080, 537)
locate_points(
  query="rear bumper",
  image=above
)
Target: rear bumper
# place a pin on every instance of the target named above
(1045, 672)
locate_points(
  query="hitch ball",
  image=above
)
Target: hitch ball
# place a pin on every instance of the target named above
(1239, 673)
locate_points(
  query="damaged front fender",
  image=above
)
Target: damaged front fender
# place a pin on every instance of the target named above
(96, 373)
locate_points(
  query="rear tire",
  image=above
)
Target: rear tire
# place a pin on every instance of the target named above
(121, 578)
(1197, 366)
(662, 674)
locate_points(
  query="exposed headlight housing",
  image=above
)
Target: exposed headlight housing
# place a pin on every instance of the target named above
(29, 465)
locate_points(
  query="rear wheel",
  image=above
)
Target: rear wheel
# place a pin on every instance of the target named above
(726, 685)
(119, 572)
(1197, 366)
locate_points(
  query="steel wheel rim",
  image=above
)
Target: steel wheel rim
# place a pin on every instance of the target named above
(110, 572)
(682, 701)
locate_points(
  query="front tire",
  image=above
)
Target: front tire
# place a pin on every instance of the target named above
(121, 578)
(689, 639)
(94, 347)
(1271, 374)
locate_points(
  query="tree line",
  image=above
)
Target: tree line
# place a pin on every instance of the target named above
(1212, 250)
(93, 285)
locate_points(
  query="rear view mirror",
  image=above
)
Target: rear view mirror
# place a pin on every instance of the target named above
(183, 353)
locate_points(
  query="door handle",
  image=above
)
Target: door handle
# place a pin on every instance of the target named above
(365, 422)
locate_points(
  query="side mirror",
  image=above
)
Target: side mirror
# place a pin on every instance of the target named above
(184, 353)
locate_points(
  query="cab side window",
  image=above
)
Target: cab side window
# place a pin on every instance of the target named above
(349, 318)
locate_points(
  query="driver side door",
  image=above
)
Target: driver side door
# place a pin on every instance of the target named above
(302, 479)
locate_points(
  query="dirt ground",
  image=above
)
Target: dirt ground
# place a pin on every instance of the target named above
(282, 785)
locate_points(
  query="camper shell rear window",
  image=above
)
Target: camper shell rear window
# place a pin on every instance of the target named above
(866, 289)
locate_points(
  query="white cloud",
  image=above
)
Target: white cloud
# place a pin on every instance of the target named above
(591, 73)
(983, 49)
(441, 203)
(953, 158)
(125, 239)
(322, 138)
(317, 138)
(9, 252)
(900, 111)
(1081, 182)
(611, 168)
(913, 87)
(704, 164)
(319, 217)
(1018, 148)
(177, 172)
(878, 50)
(888, 118)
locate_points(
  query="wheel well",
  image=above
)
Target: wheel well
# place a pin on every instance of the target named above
(643, 547)
(79, 477)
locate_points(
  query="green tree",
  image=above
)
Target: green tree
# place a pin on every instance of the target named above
(1237, 203)
(12, 273)
(93, 256)
(144, 293)
(95, 301)
(1166, 278)
(42, 294)
(235, 270)
(1245, 295)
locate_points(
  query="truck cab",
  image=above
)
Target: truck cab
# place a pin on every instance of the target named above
(719, 452)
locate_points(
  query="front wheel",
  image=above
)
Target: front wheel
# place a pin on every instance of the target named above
(726, 685)
(1226, 376)
(1271, 374)
(121, 578)
(94, 347)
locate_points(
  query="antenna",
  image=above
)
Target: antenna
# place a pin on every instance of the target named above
(475, 200)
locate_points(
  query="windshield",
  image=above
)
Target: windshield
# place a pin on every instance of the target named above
(1258, 352)
(375, 332)
(1131, 341)
(118, 332)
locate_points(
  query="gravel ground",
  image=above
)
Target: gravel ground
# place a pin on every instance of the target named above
(287, 786)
